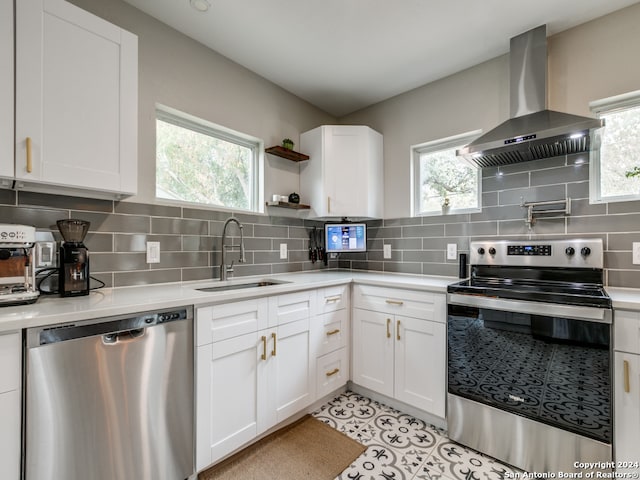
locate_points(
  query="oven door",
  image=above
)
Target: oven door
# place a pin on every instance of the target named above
(546, 362)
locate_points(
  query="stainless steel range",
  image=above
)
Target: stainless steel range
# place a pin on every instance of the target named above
(529, 354)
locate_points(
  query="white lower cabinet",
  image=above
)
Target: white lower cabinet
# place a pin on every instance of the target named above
(331, 339)
(626, 386)
(249, 382)
(399, 341)
(10, 405)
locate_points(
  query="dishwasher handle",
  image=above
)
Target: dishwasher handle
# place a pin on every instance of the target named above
(111, 329)
(124, 336)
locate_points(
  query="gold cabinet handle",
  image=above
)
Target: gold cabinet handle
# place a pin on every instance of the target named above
(328, 204)
(394, 302)
(29, 157)
(264, 348)
(333, 332)
(398, 330)
(388, 331)
(333, 299)
(332, 372)
(627, 386)
(273, 352)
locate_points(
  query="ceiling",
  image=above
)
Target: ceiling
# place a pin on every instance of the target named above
(344, 55)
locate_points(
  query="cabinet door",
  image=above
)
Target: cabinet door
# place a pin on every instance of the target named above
(373, 350)
(229, 379)
(10, 405)
(10, 435)
(420, 364)
(6, 92)
(345, 161)
(76, 97)
(293, 370)
(627, 409)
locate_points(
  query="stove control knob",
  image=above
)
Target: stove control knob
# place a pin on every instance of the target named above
(492, 251)
(586, 251)
(570, 251)
(481, 251)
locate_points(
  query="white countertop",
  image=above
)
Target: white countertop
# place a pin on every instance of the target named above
(624, 298)
(49, 310)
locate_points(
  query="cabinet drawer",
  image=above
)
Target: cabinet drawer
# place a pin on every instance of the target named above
(11, 361)
(291, 307)
(332, 372)
(332, 331)
(626, 326)
(220, 322)
(411, 303)
(331, 299)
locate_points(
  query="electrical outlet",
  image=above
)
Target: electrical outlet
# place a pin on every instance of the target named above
(452, 251)
(153, 252)
(386, 250)
(636, 253)
(283, 251)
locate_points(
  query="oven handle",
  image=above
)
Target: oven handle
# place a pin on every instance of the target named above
(593, 314)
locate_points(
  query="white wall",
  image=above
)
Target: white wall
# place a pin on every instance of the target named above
(589, 62)
(181, 73)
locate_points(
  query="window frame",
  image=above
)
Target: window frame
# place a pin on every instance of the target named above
(205, 127)
(617, 103)
(446, 143)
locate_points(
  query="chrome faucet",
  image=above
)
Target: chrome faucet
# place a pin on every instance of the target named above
(224, 269)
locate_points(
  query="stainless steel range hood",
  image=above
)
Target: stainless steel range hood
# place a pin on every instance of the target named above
(533, 132)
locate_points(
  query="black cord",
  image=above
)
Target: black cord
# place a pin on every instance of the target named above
(99, 281)
(54, 270)
(51, 271)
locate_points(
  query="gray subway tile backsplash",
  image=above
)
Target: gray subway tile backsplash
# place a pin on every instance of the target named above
(568, 174)
(532, 194)
(147, 209)
(505, 182)
(190, 237)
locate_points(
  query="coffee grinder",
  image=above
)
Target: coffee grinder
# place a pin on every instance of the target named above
(73, 279)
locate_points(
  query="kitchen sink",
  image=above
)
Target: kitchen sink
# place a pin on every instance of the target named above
(236, 286)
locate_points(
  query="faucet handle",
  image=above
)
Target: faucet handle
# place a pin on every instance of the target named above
(229, 268)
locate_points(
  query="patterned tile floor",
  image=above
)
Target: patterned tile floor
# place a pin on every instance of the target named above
(400, 447)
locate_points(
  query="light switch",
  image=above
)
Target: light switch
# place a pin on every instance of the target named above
(386, 250)
(452, 251)
(283, 251)
(153, 252)
(636, 253)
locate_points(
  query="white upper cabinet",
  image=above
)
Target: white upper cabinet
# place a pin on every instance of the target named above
(76, 101)
(6, 92)
(344, 175)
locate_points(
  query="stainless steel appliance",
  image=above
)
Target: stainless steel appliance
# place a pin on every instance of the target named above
(533, 132)
(17, 277)
(529, 354)
(111, 398)
(73, 277)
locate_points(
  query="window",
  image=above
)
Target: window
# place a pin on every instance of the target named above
(442, 182)
(619, 151)
(202, 163)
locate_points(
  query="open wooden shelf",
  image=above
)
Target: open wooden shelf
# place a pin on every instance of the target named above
(286, 153)
(293, 206)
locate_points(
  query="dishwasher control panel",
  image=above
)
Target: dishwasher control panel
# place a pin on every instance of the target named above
(110, 328)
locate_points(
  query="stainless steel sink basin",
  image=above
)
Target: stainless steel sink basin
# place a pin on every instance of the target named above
(236, 286)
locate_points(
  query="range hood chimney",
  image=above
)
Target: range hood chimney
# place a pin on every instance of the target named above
(533, 132)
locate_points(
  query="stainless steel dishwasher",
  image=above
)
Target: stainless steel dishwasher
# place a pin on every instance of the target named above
(111, 398)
